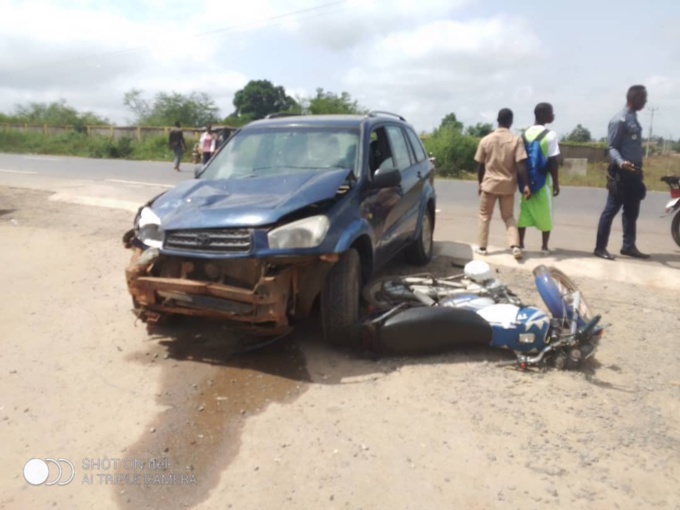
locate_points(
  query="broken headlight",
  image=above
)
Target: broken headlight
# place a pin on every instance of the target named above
(306, 233)
(148, 228)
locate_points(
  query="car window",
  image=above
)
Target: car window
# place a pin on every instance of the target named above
(379, 152)
(417, 145)
(402, 157)
(281, 151)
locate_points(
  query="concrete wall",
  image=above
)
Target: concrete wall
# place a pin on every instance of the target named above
(592, 154)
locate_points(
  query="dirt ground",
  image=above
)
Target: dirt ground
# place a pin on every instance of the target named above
(298, 424)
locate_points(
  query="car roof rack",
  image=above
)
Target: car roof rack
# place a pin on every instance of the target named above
(375, 113)
(281, 114)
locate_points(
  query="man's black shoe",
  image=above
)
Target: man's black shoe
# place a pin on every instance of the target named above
(603, 254)
(635, 253)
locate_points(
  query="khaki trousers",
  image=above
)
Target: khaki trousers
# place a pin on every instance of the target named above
(487, 203)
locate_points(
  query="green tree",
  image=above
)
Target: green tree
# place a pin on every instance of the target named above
(579, 135)
(260, 98)
(330, 103)
(57, 113)
(451, 121)
(454, 151)
(479, 130)
(195, 109)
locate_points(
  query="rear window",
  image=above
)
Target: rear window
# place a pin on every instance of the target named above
(421, 155)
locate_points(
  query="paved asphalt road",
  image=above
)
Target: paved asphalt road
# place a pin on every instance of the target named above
(576, 209)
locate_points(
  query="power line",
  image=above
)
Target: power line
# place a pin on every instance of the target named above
(256, 24)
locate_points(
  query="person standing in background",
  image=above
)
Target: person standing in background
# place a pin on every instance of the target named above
(500, 156)
(537, 211)
(177, 144)
(208, 142)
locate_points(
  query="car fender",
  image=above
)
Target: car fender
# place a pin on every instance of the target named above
(356, 229)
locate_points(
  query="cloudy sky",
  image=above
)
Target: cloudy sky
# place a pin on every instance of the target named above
(421, 58)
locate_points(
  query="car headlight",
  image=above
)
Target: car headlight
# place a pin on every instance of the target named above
(307, 233)
(149, 228)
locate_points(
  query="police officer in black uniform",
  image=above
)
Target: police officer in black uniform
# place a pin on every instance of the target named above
(624, 176)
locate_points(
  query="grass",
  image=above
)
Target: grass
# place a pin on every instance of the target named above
(655, 167)
(153, 148)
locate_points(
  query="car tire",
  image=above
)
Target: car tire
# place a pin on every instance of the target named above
(340, 298)
(419, 252)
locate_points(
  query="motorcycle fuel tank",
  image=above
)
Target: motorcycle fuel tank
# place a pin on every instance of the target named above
(515, 328)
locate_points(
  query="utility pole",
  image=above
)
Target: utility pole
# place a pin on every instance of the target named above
(651, 127)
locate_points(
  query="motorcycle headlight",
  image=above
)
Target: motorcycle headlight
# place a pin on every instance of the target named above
(149, 228)
(307, 233)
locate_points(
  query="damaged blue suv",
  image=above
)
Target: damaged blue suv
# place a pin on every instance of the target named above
(291, 211)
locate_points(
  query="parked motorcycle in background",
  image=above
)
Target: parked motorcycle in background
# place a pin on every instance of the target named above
(673, 206)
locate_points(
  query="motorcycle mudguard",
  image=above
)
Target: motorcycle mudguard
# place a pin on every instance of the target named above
(550, 293)
(672, 206)
(430, 330)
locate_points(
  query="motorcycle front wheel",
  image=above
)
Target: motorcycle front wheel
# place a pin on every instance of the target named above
(675, 228)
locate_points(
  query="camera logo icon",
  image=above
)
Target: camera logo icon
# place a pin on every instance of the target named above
(37, 472)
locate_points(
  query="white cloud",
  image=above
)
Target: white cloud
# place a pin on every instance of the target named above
(356, 21)
(420, 58)
(471, 68)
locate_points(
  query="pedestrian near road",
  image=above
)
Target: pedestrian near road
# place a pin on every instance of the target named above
(537, 211)
(208, 141)
(500, 157)
(177, 144)
(624, 176)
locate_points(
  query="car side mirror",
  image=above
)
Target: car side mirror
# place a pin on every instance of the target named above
(197, 171)
(386, 178)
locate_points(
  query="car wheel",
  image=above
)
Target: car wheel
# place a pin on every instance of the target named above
(419, 252)
(340, 298)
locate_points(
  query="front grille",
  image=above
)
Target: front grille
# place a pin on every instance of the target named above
(210, 240)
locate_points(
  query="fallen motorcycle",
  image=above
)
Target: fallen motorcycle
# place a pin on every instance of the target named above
(422, 314)
(673, 206)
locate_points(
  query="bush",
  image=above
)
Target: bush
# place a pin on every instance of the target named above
(75, 143)
(154, 148)
(454, 151)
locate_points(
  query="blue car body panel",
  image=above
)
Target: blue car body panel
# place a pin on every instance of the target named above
(388, 218)
(246, 203)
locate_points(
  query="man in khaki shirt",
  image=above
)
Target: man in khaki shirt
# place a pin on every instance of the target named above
(501, 157)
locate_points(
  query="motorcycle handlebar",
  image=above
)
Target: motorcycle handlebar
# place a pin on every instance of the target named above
(588, 328)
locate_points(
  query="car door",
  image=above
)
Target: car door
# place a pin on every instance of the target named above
(378, 205)
(406, 210)
(422, 167)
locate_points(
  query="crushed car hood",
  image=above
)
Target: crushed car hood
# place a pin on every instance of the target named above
(250, 202)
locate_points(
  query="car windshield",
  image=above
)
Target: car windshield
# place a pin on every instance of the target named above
(282, 151)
